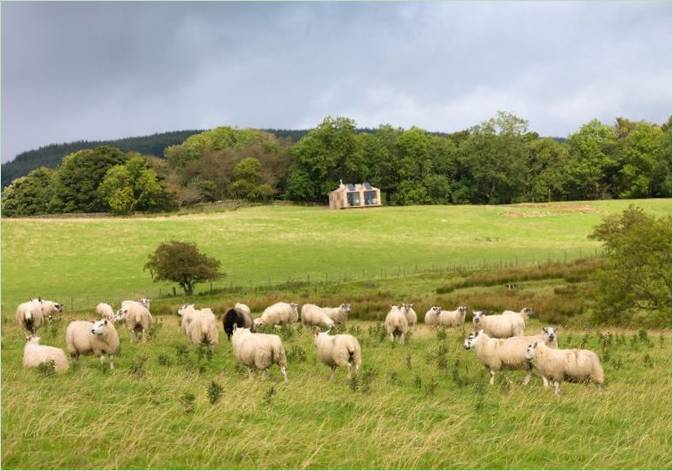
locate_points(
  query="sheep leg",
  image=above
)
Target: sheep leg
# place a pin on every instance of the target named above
(349, 372)
(492, 382)
(284, 371)
(527, 378)
(102, 359)
(402, 339)
(249, 373)
(332, 376)
(392, 337)
(112, 366)
(557, 388)
(545, 382)
(143, 336)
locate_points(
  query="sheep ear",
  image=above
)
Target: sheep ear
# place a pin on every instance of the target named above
(39, 299)
(105, 322)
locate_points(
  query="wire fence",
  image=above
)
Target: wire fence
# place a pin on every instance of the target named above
(316, 282)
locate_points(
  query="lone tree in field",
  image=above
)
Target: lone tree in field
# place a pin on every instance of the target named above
(182, 263)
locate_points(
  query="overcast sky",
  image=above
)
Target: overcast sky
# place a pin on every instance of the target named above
(106, 70)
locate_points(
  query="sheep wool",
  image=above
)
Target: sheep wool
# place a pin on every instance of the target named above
(98, 338)
(338, 351)
(259, 351)
(396, 324)
(35, 354)
(452, 318)
(499, 326)
(315, 315)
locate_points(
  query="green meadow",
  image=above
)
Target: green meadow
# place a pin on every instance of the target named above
(83, 261)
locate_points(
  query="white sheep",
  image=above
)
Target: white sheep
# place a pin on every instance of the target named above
(105, 311)
(396, 324)
(99, 338)
(138, 319)
(558, 365)
(35, 354)
(279, 313)
(315, 315)
(30, 315)
(452, 318)
(338, 314)
(341, 350)
(509, 353)
(186, 312)
(203, 328)
(431, 316)
(409, 313)
(499, 326)
(525, 313)
(258, 351)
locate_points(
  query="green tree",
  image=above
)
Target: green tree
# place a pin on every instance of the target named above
(182, 263)
(29, 195)
(637, 278)
(79, 176)
(131, 187)
(248, 184)
(592, 166)
(545, 177)
(637, 155)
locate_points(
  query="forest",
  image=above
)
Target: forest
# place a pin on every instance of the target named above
(498, 161)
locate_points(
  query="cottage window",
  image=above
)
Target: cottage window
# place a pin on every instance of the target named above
(354, 198)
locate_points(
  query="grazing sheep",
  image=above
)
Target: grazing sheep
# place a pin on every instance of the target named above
(499, 326)
(203, 328)
(258, 351)
(138, 319)
(396, 324)
(315, 315)
(30, 315)
(279, 313)
(559, 365)
(338, 314)
(525, 313)
(409, 313)
(35, 354)
(98, 338)
(105, 311)
(238, 316)
(509, 353)
(338, 350)
(452, 318)
(431, 316)
(186, 312)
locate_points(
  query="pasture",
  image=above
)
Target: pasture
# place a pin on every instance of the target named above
(426, 404)
(82, 261)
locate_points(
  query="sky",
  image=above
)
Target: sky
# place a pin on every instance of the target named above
(101, 70)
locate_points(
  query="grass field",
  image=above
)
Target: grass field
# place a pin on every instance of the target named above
(426, 404)
(84, 261)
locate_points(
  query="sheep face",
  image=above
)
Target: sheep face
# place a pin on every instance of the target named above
(33, 339)
(346, 308)
(145, 302)
(257, 323)
(99, 327)
(294, 308)
(407, 307)
(528, 311)
(530, 351)
(462, 309)
(184, 308)
(471, 340)
(549, 334)
(477, 317)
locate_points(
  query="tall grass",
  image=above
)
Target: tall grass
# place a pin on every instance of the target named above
(425, 404)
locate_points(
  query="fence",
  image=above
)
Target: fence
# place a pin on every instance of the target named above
(317, 281)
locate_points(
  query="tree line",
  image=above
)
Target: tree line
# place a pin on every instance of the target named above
(498, 161)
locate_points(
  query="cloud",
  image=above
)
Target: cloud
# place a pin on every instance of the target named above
(104, 70)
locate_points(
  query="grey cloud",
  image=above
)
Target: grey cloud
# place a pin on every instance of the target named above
(104, 70)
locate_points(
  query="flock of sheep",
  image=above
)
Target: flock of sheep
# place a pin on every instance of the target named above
(499, 341)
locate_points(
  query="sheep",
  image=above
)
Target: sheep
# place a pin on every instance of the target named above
(279, 313)
(338, 314)
(239, 316)
(315, 315)
(396, 324)
(105, 311)
(509, 353)
(30, 315)
(35, 354)
(138, 318)
(452, 318)
(98, 338)
(525, 313)
(431, 316)
(203, 328)
(258, 351)
(338, 350)
(499, 326)
(186, 312)
(409, 313)
(569, 364)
